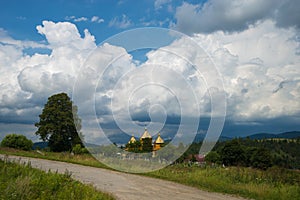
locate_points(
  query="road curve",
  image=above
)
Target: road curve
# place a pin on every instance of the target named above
(124, 186)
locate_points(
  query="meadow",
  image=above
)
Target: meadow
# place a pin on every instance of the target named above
(273, 183)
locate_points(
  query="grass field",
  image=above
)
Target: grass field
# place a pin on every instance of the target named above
(19, 181)
(250, 183)
(273, 183)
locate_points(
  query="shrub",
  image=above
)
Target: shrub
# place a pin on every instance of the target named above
(84, 150)
(77, 149)
(17, 142)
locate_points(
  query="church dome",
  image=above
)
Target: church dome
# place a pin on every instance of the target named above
(159, 140)
(146, 134)
(132, 139)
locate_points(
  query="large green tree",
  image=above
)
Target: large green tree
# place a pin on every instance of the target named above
(58, 123)
(261, 158)
(233, 153)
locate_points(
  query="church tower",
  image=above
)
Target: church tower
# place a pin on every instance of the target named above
(132, 140)
(146, 141)
(159, 142)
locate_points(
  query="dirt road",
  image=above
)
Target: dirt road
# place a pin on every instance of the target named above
(122, 185)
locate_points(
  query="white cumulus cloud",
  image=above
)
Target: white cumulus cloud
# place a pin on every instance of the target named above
(28, 80)
(260, 68)
(230, 16)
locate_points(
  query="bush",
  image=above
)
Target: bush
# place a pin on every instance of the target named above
(77, 149)
(84, 150)
(17, 142)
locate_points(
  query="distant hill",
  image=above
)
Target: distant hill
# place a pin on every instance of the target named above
(257, 136)
(285, 135)
(224, 138)
(290, 135)
(200, 138)
(40, 145)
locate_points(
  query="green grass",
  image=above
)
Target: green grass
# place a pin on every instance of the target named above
(20, 181)
(246, 182)
(83, 159)
(272, 184)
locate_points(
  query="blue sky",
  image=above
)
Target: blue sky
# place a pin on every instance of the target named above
(22, 17)
(254, 47)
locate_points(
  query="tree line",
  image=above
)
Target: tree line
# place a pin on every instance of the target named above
(248, 152)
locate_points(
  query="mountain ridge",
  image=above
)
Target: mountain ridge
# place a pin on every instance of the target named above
(284, 135)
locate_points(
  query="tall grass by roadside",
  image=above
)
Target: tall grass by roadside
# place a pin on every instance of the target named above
(83, 159)
(274, 183)
(20, 181)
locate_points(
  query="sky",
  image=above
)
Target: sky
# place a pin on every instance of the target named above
(202, 56)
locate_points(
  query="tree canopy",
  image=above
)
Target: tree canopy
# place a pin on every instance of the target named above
(233, 153)
(58, 123)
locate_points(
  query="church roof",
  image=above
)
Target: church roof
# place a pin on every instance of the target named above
(159, 140)
(132, 139)
(146, 134)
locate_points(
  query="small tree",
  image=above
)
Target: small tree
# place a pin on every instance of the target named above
(17, 142)
(58, 123)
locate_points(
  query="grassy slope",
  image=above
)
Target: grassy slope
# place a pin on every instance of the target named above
(19, 181)
(271, 184)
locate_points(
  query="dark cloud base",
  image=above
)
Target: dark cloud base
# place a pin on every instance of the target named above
(231, 128)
